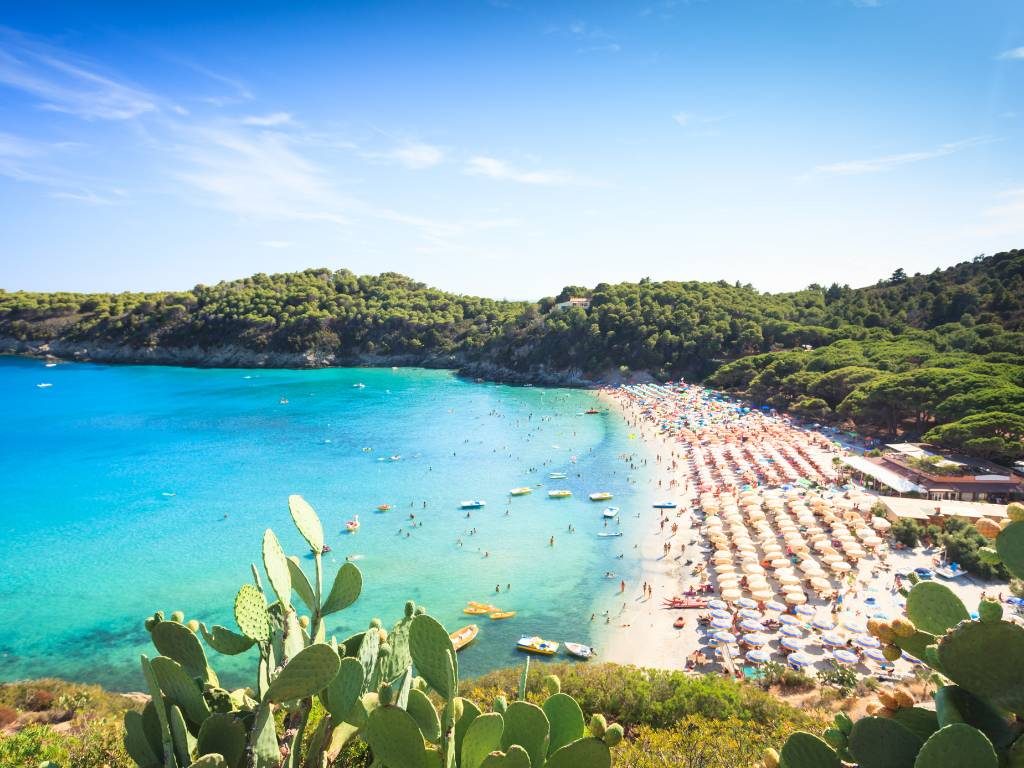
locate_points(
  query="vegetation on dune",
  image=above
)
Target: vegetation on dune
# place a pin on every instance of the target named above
(938, 355)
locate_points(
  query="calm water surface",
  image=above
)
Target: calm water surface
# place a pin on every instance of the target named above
(131, 489)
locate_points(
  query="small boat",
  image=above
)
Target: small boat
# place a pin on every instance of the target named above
(463, 637)
(44, 385)
(600, 496)
(520, 491)
(477, 610)
(352, 525)
(557, 476)
(385, 507)
(502, 615)
(396, 457)
(537, 645)
(561, 493)
(472, 504)
(326, 548)
(665, 505)
(580, 651)
(591, 411)
(360, 385)
(51, 365)
(609, 534)
(488, 606)
(611, 512)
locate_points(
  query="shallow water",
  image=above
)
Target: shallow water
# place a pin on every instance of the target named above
(129, 489)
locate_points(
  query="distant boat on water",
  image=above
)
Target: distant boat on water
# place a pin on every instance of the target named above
(557, 476)
(472, 504)
(44, 385)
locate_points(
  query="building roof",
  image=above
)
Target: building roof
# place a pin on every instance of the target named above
(922, 509)
(883, 475)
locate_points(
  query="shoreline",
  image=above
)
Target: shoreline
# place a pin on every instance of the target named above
(643, 635)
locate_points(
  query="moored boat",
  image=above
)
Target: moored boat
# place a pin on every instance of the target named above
(472, 504)
(560, 493)
(611, 512)
(609, 534)
(352, 525)
(557, 475)
(476, 610)
(463, 637)
(580, 651)
(503, 615)
(537, 645)
(665, 505)
(600, 496)
(520, 491)
(591, 411)
(384, 507)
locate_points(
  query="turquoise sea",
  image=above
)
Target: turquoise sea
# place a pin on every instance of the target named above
(129, 489)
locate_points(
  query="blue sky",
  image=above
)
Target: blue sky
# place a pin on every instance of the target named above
(507, 148)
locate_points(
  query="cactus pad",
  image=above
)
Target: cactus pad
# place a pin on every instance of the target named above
(433, 655)
(180, 689)
(348, 583)
(516, 757)
(987, 658)
(470, 712)
(177, 642)
(915, 644)
(566, 719)
(418, 705)
(395, 738)
(276, 566)
(301, 585)
(585, 753)
(482, 737)
(877, 742)
(344, 689)
(263, 739)
(224, 735)
(934, 608)
(918, 720)
(251, 613)
(212, 760)
(183, 741)
(803, 750)
(224, 640)
(1010, 546)
(307, 522)
(957, 745)
(528, 726)
(954, 704)
(309, 672)
(136, 742)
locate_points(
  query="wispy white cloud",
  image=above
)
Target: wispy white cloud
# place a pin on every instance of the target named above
(888, 162)
(268, 121)
(41, 163)
(1014, 54)
(64, 83)
(89, 197)
(414, 155)
(493, 168)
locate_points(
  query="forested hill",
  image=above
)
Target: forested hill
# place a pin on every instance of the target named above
(908, 353)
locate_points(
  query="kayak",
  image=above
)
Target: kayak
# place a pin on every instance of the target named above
(557, 476)
(537, 645)
(503, 614)
(580, 651)
(476, 610)
(463, 637)
(609, 534)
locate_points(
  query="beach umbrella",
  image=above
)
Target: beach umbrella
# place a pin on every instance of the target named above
(762, 594)
(833, 639)
(790, 630)
(719, 613)
(746, 602)
(749, 613)
(724, 637)
(721, 623)
(845, 657)
(912, 659)
(731, 594)
(774, 606)
(718, 604)
(750, 625)
(866, 641)
(791, 643)
(823, 624)
(758, 657)
(794, 598)
(756, 638)
(800, 659)
(876, 655)
(733, 651)
(855, 626)
(820, 584)
(805, 610)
